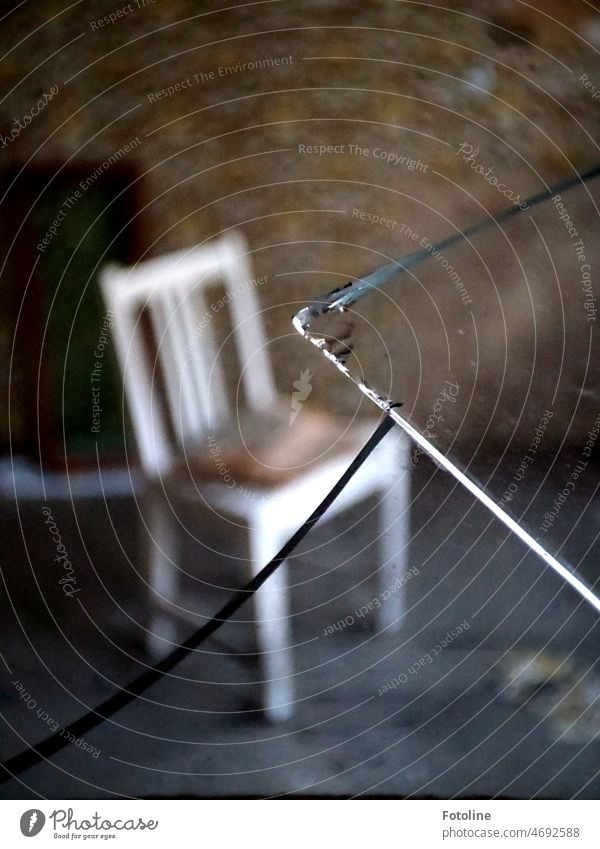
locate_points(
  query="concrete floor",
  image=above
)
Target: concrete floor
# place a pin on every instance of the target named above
(448, 731)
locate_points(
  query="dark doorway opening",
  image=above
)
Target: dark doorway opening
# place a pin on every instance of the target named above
(59, 226)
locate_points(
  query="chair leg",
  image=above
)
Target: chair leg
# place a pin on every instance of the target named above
(162, 635)
(273, 627)
(395, 535)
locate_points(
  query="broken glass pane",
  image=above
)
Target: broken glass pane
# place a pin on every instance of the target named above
(486, 338)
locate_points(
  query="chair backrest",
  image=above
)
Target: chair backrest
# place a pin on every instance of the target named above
(167, 347)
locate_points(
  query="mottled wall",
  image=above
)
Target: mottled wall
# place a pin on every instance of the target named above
(225, 149)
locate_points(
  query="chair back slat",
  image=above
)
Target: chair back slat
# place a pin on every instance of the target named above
(164, 316)
(206, 369)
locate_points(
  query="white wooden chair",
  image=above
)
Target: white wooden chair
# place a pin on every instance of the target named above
(172, 418)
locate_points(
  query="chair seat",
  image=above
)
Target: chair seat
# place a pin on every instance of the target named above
(267, 449)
